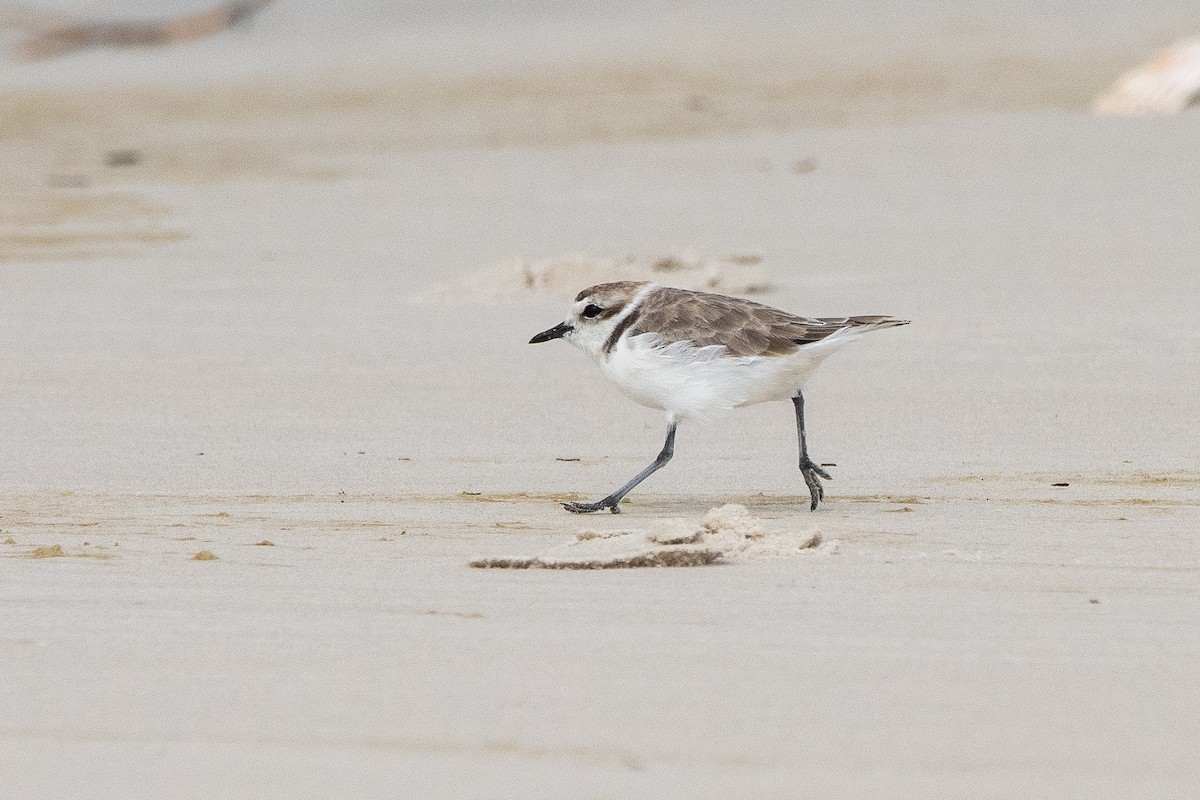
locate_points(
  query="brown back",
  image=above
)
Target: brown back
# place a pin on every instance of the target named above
(744, 327)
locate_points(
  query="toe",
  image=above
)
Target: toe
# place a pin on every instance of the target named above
(812, 466)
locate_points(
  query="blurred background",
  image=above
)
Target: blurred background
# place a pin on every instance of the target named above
(433, 74)
(203, 174)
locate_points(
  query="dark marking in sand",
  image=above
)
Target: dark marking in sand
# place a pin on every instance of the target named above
(123, 158)
(655, 558)
(433, 612)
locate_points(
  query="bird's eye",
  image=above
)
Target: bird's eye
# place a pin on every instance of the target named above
(592, 310)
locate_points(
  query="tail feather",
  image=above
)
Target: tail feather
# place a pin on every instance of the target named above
(876, 321)
(841, 329)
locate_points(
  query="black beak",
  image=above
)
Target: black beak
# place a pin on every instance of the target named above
(557, 332)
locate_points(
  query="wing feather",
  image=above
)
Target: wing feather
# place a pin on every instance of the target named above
(744, 327)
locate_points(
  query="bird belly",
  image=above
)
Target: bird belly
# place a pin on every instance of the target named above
(700, 383)
(705, 383)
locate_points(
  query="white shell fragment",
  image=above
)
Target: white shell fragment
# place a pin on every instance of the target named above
(1167, 84)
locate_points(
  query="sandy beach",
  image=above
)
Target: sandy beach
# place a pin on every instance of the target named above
(276, 317)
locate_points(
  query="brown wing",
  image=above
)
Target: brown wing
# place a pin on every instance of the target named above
(84, 35)
(745, 327)
(215, 20)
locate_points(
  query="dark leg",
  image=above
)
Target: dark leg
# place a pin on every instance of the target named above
(808, 469)
(613, 499)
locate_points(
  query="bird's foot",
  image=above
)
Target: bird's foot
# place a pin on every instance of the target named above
(588, 508)
(816, 491)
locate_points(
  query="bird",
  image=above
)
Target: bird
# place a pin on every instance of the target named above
(697, 356)
(60, 35)
(1166, 84)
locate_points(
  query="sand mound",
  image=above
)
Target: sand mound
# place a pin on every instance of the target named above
(564, 275)
(728, 533)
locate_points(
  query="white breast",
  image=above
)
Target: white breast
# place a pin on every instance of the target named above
(702, 383)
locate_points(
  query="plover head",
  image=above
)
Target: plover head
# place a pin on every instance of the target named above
(596, 314)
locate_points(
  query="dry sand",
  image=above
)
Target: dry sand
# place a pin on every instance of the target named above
(236, 347)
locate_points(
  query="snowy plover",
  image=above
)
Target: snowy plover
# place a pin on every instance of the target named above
(697, 356)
